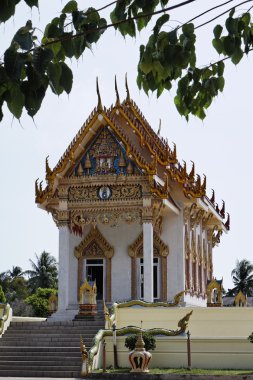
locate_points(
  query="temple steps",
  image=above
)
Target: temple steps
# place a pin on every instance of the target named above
(45, 349)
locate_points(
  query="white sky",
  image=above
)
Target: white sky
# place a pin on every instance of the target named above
(221, 146)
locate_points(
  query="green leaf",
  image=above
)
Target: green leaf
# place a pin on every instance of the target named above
(200, 113)
(67, 45)
(232, 12)
(221, 83)
(13, 63)
(41, 59)
(188, 29)
(237, 56)
(7, 9)
(33, 98)
(246, 18)
(220, 68)
(66, 79)
(159, 23)
(218, 45)
(16, 101)
(24, 37)
(70, 7)
(229, 45)
(232, 25)
(3, 75)
(55, 47)
(217, 31)
(54, 72)
(32, 3)
(79, 46)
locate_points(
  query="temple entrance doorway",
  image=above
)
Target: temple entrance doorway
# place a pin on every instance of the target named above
(95, 272)
(156, 276)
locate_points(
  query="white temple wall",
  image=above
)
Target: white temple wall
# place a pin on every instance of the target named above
(172, 235)
(63, 267)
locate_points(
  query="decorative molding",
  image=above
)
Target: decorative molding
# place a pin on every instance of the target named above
(91, 194)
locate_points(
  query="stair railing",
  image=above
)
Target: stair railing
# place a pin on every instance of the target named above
(5, 319)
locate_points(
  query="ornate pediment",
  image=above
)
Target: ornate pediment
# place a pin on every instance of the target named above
(160, 248)
(94, 245)
(105, 155)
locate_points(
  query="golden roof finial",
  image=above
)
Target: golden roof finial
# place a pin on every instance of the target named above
(48, 169)
(37, 190)
(128, 99)
(159, 128)
(192, 173)
(203, 187)
(99, 106)
(117, 93)
(174, 153)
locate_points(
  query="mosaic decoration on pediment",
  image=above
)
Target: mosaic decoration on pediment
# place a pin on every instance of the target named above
(112, 218)
(160, 248)
(106, 155)
(104, 193)
(94, 244)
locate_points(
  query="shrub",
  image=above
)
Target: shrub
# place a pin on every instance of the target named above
(149, 340)
(2, 296)
(250, 338)
(39, 301)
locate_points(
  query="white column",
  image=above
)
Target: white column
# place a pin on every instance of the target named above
(73, 273)
(63, 282)
(148, 260)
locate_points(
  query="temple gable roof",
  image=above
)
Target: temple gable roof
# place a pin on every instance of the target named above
(127, 138)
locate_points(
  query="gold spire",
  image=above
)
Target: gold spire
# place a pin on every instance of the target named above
(99, 106)
(117, 93)
(48, 170)
(130, 168)
(203, 186)
(87, 164)
(80, 170)
(37, 190)
(122, 161)
(159, 128)
(128, 99)
(192, 172)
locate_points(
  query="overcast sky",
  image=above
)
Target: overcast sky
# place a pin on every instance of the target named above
(221, 146)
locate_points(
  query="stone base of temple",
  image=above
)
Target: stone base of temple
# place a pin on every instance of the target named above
(63, 315)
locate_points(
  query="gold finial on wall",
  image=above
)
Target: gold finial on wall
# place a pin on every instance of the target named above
(99, 106)
(117, 93)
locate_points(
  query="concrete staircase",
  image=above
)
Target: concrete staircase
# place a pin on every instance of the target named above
(45, 349)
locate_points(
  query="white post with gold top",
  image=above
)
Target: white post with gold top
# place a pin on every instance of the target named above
(147, 221)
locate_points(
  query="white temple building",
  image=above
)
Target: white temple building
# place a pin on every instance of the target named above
(130, 216)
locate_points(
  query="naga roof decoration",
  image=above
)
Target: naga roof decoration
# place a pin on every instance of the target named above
(139, 145)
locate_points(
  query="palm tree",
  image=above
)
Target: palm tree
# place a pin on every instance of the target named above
(44, 272)
(15, 272)
(242, 276)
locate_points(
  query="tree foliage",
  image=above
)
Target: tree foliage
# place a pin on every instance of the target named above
(149, 341)
(242, 276)
(168, 59)
(44, 272)
(39, 301)
(2, 296)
